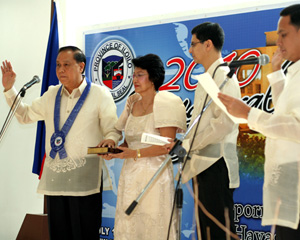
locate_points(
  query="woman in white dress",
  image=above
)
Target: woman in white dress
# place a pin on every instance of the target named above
(160, 113)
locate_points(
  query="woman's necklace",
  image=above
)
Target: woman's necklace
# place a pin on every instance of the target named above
(151, 103)
(145, 109)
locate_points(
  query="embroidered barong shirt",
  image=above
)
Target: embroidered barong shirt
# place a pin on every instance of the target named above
(79, 174)
(282, 150)
(216, 136)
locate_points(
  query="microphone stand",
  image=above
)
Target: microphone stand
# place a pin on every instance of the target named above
(181, 152)
(12, 111)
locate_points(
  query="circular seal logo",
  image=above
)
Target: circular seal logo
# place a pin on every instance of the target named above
(112, 67)
(58, 141)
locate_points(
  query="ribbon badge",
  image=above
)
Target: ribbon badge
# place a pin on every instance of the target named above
(57, 144)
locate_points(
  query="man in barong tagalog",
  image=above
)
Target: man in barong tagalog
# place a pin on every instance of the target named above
(281, 199)
(214, 164)
(77, 114)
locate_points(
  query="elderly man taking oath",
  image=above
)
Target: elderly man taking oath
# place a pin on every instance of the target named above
(77, 114)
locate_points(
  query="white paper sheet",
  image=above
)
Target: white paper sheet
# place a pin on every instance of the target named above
(212, 89)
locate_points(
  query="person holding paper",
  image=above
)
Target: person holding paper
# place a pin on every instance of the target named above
(154, 112)
(214, 163)
(281, 198)
(77, 114)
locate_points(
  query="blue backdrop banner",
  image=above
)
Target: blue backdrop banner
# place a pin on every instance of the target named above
(246, 35)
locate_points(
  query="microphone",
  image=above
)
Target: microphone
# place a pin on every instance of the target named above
(262, 60)
(34, 80)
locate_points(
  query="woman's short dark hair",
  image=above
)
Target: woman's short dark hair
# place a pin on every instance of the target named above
(212, 31)
(78, 54)
(154, 66)
(294, 12)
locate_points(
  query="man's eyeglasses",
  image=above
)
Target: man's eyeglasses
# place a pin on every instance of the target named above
(193, 44)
